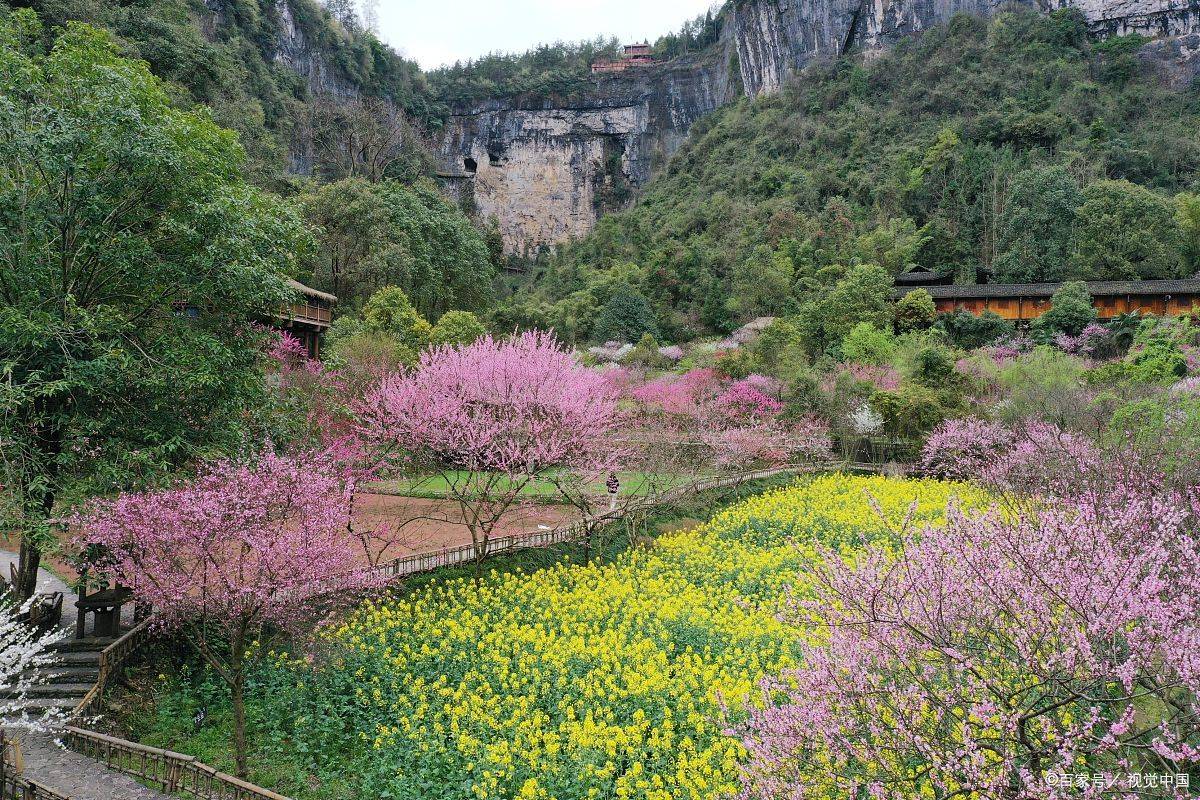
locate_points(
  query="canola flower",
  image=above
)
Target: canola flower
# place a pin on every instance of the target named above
(606, 681)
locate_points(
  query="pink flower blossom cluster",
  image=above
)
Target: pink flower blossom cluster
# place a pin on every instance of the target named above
(765, 384)
(1188, 387)
(671, 352)
(989, 657)
(514, 406)
(884, 378)
(679, 394)
(959, 449)
(241, 545)
(1087, 343)
(767, 443)
(1047, 460)
(743, 401)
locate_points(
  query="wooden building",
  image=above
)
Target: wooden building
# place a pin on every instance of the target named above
(308, 318)
(633, 55)
(1021, 302)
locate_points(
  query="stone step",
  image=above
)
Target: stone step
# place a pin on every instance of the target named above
(90, 644)
(76, 658)
(52, 690)
(36, 705)
(63, 674)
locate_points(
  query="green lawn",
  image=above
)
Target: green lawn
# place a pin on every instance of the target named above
(437, 486)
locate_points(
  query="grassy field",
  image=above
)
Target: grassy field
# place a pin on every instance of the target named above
(437, 487)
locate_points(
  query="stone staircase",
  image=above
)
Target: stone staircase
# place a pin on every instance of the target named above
(65, 682)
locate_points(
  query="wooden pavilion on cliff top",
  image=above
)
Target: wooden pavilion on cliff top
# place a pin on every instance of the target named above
(1021, 302)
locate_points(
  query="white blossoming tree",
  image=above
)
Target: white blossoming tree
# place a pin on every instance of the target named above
(25, 656)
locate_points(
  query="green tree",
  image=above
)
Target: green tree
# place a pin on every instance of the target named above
(778, 347)
(914, 311)
(1187, 211)
(866, 344)
(390, 312)
(1035, 239)
(385, 234)
(761, 285)
(1070, 311)
(626, 317)
(968, 331)
(862, 296)
(455, 328)
(1126, 232)
(133, 261)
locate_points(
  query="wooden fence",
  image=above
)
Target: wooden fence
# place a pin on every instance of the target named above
(174, 773)
(12, 785)
(112, 658)
(465, 554)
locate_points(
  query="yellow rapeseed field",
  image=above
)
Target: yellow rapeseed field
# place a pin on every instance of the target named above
(603, 681)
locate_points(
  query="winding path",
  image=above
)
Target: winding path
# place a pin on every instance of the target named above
(55, 767)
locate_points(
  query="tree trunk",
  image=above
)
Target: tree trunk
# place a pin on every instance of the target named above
(238, 692)
(38, 505)
(27, 569)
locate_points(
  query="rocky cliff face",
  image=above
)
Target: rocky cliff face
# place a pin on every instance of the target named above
(777, 38)
(547, 170)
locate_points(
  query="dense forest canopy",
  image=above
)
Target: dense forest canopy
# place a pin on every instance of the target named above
(1018, 146)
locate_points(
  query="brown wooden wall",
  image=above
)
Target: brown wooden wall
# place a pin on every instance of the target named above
(1028, 308)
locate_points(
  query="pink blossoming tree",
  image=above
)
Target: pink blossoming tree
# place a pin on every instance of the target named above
(961, 449)
(493, 417)
(994, 658)
(228, 557)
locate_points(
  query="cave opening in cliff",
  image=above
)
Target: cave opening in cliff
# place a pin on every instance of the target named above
(470, 165)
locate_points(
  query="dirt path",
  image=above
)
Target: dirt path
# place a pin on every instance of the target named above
(434, 524)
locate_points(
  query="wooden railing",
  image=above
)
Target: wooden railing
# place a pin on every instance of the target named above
(174, 773)
(112, 658)
(12, 785)
(466, 554)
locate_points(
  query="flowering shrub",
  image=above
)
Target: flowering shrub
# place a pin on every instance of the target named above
(743, 446)
(743, 401)
(671, 352)
(865, 421)
(679, 394)
(611, 351)
(885, 377)
(962, 448)
(578, 682)
(991, 658)
(765, 384)
(1188, 387)
(1090, 341)
(1044, 459)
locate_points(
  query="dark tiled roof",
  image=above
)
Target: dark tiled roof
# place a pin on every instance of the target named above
(1095, 288)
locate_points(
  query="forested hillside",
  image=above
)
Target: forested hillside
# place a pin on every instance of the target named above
(332, 120)
(1016, 146)
(223, 54)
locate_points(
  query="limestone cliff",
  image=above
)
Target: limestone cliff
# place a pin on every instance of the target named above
(546, 169)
